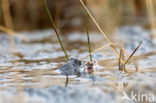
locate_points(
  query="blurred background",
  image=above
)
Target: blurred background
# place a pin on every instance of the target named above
(69, 14)
(30, 61)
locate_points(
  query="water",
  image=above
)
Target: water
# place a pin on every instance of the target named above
(29, 68)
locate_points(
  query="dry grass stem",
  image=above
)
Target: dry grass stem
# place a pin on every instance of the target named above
(6, 13)
(104, 35)
(121, 57)
(96, 50)
(12, 33)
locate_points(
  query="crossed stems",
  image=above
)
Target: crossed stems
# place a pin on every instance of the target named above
(122, 65)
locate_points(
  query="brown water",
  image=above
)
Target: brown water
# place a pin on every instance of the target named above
(29, 68)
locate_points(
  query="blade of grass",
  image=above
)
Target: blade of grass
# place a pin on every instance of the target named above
(12, 33)
(55, 29)
(89, 46)
(94, 21)
(5, 6)
(87, 30)
(95, 51)
(121, 65)
(88, 39)
(119, 61)
(57, 34)
(104, 35)
(123, 58)
(133, 53)
(67, 80)
(136, 65)
(7, 30)
(124, 51)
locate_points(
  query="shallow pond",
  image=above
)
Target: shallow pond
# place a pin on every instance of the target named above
(29, 68)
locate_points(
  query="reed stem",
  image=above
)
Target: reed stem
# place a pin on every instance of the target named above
(133, 53)
(89, 46)
(55, 29)
(67, 80)
(87, 30)
(95, 51)
(5, 4)
(104, 35)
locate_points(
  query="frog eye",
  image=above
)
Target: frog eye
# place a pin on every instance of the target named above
(79, 62)
(91, 64)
